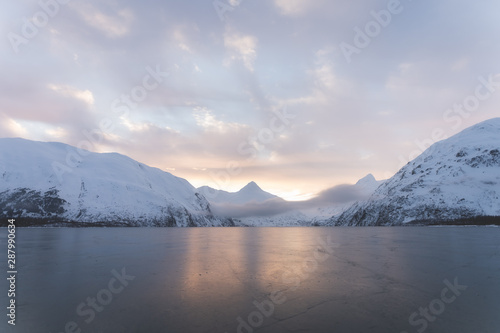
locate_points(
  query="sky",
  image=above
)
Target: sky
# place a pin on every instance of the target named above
(296, 95)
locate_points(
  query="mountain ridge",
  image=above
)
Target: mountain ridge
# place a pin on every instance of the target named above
(251, 192)
(100, 187)
(456, 178)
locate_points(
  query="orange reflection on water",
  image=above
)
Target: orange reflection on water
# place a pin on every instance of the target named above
(212, 270)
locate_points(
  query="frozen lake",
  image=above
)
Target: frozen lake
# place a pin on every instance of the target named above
(256, 280)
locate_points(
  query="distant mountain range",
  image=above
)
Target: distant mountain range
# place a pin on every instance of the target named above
(456, 180)
(316, 211)
(249, 193)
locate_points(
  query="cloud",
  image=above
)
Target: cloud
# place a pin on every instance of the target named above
(240, 47)
(113, 26)
(352, 119)
(336, 195)
(294, 7)
(182, 35)
(57, 133)
(460, 64)
(267, 208)
(206, 119)
(49, 104)
(83, 95)
(235, 3)
(11, 128)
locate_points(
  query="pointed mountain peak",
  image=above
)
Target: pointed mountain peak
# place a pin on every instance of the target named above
(251, 185)
(369, 178)
(251, 192)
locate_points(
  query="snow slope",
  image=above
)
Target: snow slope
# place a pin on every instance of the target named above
(93, 188)
(453, 179)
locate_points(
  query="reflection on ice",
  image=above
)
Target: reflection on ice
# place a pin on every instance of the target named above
(259, 280)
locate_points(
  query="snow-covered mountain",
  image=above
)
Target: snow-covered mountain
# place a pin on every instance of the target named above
(249, 193)
(368, 184)
(40, 182)
(313, 211)
(46, 182)
(457, 178)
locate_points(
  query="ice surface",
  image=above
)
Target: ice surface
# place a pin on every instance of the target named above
(204, 279)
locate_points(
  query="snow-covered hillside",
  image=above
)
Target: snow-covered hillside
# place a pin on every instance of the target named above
(453, 179)
(38, 183)
(249, 193)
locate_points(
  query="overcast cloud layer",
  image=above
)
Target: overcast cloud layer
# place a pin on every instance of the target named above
(297, 95)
